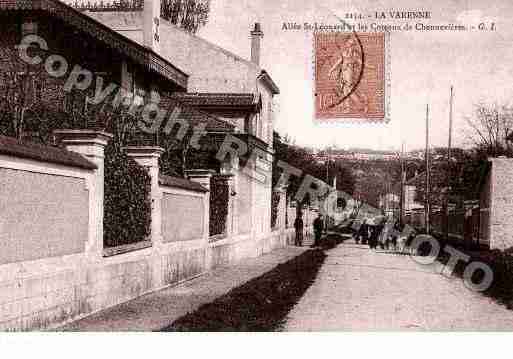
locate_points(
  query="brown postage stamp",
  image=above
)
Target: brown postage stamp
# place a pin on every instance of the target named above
(351, 76)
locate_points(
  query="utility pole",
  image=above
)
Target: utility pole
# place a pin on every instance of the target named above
(328, 166)
(448, 167)
(427, 199)
(403, 180)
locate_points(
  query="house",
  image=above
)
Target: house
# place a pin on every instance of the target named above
(219, 81)
(112, 56)
(410, 193)
(356, 155)
(222, 84)
(390, 203)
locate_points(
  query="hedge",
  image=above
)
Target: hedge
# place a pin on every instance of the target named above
(127, 206)
(219, 199)
(275, 202)
(501, 264)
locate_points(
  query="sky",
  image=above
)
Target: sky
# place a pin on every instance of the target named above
(423, 66)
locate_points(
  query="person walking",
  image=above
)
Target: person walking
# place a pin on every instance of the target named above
(298, 226)
(364, 232)
(373, 240)
(318, 225)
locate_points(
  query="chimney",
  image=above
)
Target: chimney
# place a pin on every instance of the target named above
(256, 43)
(151, 23)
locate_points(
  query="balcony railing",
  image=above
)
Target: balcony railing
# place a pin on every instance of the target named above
(121, 5)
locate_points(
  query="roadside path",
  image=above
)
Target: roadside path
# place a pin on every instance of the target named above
(358, 289)
(159, 309)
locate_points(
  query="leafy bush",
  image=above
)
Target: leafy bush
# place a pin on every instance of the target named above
(219, 199)
(275, 202)
(127, 207)
(501, 264)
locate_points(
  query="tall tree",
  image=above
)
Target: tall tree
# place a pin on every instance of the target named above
(304, 160)
(491, 128)
(187, 14)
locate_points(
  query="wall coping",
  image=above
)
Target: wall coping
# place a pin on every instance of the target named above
(181, 183)
(143, 151)
(82, 137)
(126, 248)
(12, 147)
(200, 173)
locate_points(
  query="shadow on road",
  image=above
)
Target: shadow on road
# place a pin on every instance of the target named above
(261, 304)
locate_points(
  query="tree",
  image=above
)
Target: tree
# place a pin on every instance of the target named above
(345, 179)
(457, 178)
(304, 160)
(187, 14)
(376, 178)
(20, 99)
(491, 129)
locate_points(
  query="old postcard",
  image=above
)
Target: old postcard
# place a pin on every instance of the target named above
(256, 166)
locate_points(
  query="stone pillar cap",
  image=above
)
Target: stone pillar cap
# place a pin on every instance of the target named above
(144, 151)
(82, 137)
(200, 173)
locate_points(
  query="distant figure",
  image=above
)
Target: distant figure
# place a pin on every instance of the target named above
(298, 225)
(386, 235)
(396, 232)
(373, 240)
(318, 225)
(379, 238)
(364, 232)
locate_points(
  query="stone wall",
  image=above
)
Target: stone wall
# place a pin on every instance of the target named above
(501, 204)
(45, 231)
(43, 215)
(182, 216)
(69, 274)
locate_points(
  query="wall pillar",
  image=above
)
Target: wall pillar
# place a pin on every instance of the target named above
(282, 206)
(203, 177)
(232, 225)
(231, 170)
(148, 157)
(91, 144)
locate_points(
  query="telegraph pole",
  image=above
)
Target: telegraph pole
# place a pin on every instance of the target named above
(403, 180)
(427, 199)
(448, 167)
(328, 166)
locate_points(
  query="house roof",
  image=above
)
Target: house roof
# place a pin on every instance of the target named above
(181, 183)
(12, 147)
(196, 116)
(220, 101)
(254, 141)
(264, 76)
(138, 53)
(175, 47)
(213, 124)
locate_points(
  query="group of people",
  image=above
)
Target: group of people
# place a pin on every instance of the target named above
(385, 234)
(318, 226)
